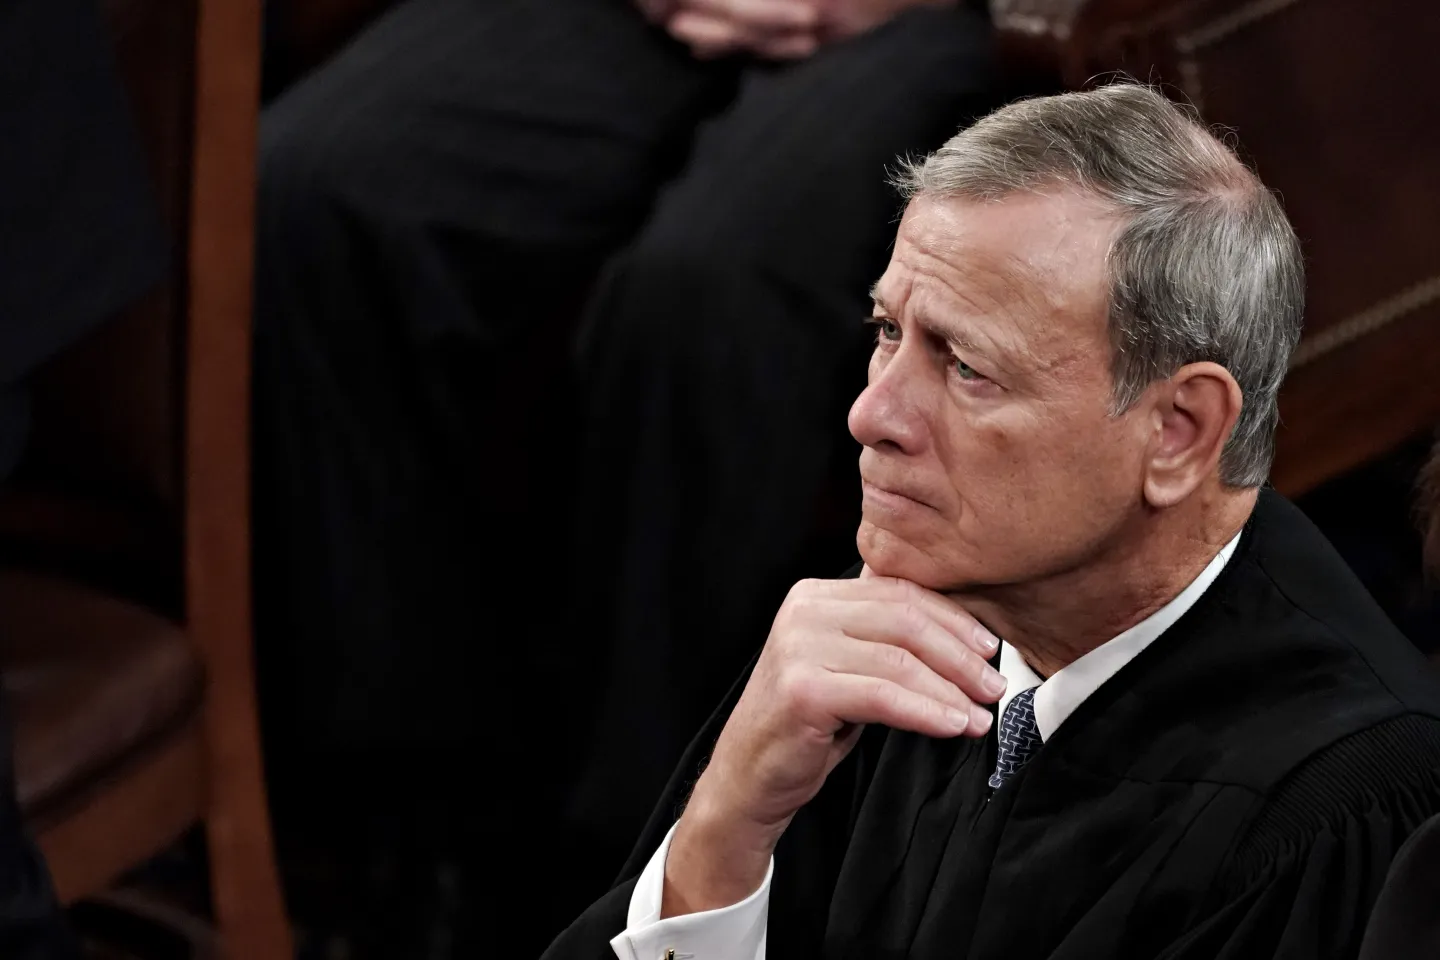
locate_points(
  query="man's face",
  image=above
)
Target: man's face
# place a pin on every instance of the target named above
(990, 453)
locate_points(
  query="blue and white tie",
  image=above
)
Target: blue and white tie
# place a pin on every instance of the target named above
(1018, 736)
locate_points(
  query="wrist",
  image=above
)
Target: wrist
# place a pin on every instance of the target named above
(717, 857)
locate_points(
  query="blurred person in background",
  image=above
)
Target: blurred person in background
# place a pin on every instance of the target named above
(472, 569)
(79, 240)
(1406, 922)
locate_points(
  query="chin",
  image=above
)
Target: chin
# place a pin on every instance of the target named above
(889, 555)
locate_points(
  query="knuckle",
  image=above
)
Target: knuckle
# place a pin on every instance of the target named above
(925, 708)
(887, 586)
(885, 697)
(955, 696)
(803, 606)
(909, 592)
(970, 667)
(912, 619)
(795, 687)
(802, 598)
(799, 602)
(795, 633)
(974, 665)
(897, 660)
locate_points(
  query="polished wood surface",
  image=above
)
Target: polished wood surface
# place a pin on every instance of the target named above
(244, 883)
(157, 795)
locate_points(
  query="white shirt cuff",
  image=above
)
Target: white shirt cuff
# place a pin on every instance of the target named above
(736, 932)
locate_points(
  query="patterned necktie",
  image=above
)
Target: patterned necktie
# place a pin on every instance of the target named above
(1018, 735)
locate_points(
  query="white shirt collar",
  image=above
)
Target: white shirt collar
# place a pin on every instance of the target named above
(1068, 687)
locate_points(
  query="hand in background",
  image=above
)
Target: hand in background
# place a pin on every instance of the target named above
(770, 29)
(656, 11)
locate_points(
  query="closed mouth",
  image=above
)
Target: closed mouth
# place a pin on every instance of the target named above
(878, 492)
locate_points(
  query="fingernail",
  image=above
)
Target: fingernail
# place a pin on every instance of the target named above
(994, 683)
(987, 639)
(980, 720)
(959, 719)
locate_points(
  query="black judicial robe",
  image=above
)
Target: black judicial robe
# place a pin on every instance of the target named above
(1236, 791)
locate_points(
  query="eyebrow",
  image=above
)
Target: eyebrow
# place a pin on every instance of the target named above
(946, 332)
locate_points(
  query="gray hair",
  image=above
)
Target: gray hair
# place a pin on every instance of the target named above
(1205, 266)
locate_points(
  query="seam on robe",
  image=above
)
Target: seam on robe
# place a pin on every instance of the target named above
(884, 883)
(1072, 766)
(1189, 827)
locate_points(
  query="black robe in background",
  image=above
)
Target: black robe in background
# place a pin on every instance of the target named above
(1406, 921)
(80, 238)
(1236, 791)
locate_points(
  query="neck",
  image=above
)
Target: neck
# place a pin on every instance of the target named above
(1056, 620)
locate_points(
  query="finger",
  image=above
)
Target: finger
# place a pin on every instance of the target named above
(706, 35)
(911, 628)
(789, 48)
(899, 665)
(952, 616)
(866, 573)
(656, 11)
(761, 16)
(861, 699)
(941, 608)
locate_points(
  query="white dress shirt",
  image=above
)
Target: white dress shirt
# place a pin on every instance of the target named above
(737, 932)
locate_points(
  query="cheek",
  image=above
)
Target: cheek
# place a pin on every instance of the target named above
(1090, 480)
(983, 452)
(1028, 494)
(1028, 467)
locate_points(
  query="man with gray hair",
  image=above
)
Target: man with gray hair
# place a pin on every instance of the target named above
(1093, 692)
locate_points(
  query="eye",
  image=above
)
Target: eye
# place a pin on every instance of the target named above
(885, 329)
(966, 372)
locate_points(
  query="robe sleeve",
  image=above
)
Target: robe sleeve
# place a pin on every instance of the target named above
(1302, 881)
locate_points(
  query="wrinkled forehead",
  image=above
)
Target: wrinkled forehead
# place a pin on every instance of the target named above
(1029, 270)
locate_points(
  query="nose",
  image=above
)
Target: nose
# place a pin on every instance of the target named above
(887, 413)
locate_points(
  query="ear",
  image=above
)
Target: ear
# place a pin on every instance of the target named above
(1195, 411)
